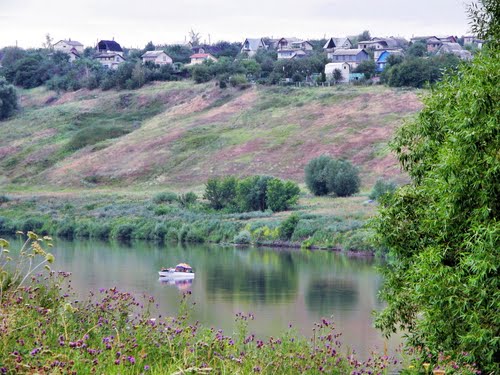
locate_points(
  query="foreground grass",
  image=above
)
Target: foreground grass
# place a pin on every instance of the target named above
(329, 223)
(45, 330)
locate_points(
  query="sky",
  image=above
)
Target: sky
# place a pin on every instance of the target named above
(133, 23)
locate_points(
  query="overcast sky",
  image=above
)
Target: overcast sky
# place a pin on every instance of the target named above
(134, 22)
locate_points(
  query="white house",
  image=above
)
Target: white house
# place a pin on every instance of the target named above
(289, 48)
(110, 60)
(199, 58)
(157, 57)
(68, 45)
(110, 54)
(344, 68)
(251, 46)
(71, 47)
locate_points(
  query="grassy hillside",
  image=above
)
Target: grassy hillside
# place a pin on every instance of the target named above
(179, 134)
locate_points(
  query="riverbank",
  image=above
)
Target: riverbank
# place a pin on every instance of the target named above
(338, 224)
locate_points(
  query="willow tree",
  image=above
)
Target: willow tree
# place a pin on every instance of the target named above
(442, 230)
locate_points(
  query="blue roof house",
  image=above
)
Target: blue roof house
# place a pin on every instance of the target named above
(382, 60)
(381, 57)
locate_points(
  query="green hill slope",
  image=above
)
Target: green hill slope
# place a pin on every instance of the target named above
(180, 134)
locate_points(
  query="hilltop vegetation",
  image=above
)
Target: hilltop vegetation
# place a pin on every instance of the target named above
(180, 134)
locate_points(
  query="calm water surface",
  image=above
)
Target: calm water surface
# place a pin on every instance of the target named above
(280, 287)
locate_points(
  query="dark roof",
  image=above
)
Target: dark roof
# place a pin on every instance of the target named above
(109, 45)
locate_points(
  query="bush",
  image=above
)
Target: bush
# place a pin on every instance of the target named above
(186, 200)
(165, 197)
(7, 226)
(325, 175)
(251, 193)
(281, 195)
(243, 238)
(32, 224)
(288, 226)
(316, 173)
(66, 229)
(344, 179)
(4, 199)
(238, 80)
(221, 192)
(381, 188)
(123, 231)
(8, 99)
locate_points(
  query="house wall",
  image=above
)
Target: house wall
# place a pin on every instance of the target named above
(110, 62)
(371, 45)
(199, 60)
(343, 67)
(162, 59)
(287, 54)
(65, 47)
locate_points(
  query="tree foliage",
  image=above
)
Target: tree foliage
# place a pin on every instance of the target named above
(417, 72)
(443, 229)
(8, 99)
(281, 195)
(325, 175)
(254, 193)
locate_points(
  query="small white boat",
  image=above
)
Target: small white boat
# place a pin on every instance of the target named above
(181, 271)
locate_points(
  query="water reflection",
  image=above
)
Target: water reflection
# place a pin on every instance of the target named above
(279, 286)
(324, 296)
(254, 276)
(182, 285)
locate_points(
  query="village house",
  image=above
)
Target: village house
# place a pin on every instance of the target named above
(334, 43)
(156, 57)
(433, 43)
(72, 48)
(470, 39)
(110, 54)
(352, 56)
(455, 49)
(251, 46)
(290, 48)
(383, 43)
(344, 68)
(199, 58)
(380, 57)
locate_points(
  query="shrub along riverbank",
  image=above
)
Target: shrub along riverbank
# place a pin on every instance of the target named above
(314, 222)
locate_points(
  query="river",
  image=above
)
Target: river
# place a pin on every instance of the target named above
(280, 287)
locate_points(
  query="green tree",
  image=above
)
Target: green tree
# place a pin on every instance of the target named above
(343, 178)
(417, 49)
(337, 75)
(281, 195)
(367, 67)
(221, 192)
(325, 175)
(8, 99)
(251, 193)
(316, 175)
(149, 47)
(443, 229)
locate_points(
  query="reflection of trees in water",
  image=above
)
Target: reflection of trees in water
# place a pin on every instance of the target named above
(256, 278)
(323, 296)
